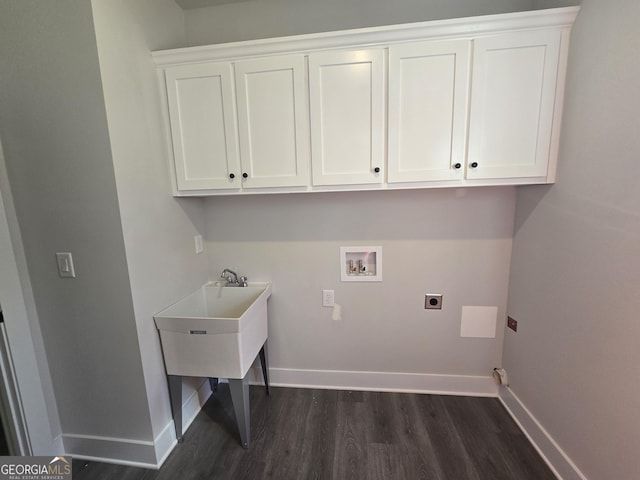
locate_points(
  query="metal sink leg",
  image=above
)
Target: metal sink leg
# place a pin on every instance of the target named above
(265, 367)
(213, 383)
(175, 395)
(240, 398)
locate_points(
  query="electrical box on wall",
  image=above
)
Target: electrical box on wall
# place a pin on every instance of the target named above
(361, 264)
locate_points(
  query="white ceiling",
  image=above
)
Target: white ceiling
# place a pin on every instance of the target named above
(190, 4)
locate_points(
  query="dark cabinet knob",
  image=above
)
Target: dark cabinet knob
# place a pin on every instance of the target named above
(457, 166)
(474, 164)
(245, 175)
(232, 176)
(377, 169)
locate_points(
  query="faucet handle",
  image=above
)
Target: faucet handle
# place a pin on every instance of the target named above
(243, 281)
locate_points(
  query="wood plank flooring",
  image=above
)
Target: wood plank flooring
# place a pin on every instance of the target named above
(326, 434)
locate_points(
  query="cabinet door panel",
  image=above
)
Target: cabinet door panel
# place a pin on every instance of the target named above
(273, 121)
(347, 122)
(512, 104)
(428, 84)
(203, 132)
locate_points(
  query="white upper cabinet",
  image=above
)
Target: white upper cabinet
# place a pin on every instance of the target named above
(347, 97)
(458, 102)
(428, 85)
(203, 125)
(512, 105)
(273, 121)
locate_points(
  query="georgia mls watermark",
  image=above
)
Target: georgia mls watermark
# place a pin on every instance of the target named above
(35, 468)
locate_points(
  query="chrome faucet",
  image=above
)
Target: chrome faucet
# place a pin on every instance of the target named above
(232, 278)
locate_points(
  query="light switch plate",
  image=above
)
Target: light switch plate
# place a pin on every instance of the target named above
(65, 265)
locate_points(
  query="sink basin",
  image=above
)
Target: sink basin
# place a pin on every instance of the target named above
(216, 331)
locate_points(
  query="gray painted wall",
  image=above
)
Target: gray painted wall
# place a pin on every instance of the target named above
(32, 376)
(539, 4)
(576, 267)
(81, 125)
(434, 241)
(158, 229)
(54, 133)
(274, 18)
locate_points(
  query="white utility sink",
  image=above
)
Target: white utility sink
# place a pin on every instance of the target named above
(216, 331)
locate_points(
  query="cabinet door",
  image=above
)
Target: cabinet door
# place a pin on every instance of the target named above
(428, 84)
(273, 121)
(346, 90)
(203, 127)
(512, 103)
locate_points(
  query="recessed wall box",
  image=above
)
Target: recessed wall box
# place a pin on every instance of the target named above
(361, 264)
(433, 301)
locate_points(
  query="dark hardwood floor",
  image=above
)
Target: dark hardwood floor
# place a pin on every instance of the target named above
(326, 434)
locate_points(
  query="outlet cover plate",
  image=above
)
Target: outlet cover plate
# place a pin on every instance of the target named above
(199, 243)
(328, 298)
(433, 301)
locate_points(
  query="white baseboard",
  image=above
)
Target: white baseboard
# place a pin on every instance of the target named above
(192, 405)
(122, 451)
(557, 460)
(136, 453)
(475, 386)
(56, 448)
(164, 444)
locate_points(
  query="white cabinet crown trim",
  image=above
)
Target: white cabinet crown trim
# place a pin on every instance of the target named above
(467, 27)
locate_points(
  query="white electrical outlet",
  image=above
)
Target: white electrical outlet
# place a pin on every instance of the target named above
(328, 298)
(199, 243)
